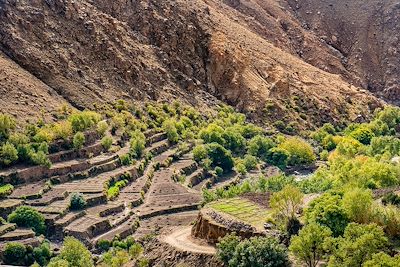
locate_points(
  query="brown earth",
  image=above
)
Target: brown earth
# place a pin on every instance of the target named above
(256, 55)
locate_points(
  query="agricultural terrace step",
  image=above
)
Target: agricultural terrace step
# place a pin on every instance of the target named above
(29, 191)
(156, 138)
(87, 227)
(35, 173)
(124, 230)
(186, 166)
(107, 209)
(9, 205)
(195, 178)
(163, 211)
(69, 218)
(5, 228)
(33, 242)
(49, 197)
(85, 152)
(17, 234)
(158, 147)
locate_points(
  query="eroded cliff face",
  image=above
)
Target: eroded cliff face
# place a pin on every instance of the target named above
(252, 55)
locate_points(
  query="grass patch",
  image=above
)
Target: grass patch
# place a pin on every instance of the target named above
(243, 210)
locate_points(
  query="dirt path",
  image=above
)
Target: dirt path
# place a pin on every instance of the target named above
(182, 240)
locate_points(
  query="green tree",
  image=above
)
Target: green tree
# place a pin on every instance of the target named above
(25, 216)
(327, 210)
(308, 246)
(358, 244)
(75, 253)
(102, 128)
(259, 146)
(220, 156)
(199, 153)
(278, 157)
(382, 260)
(172, 133)
(78, 140)
(357, 204)
(250, 162)
(286, 204)
(137, 144)
(363, 134)
(300, 152)
(253, 252)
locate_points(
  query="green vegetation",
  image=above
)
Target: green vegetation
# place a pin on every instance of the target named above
(286, 204)
(19, 254)
(106, 142)
(25, 216)
(77, 201)
(244, 210)
(78, 140)
(6, 190)
(73, 253)
(253, 252)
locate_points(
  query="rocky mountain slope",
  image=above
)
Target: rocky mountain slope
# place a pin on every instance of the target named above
(261, 56)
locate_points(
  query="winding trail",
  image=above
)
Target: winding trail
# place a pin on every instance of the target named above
(181, 239)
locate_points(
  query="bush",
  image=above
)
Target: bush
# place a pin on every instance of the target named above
(250, 162)
(102, 128)
(357, 204)
(103, 245)
(300, 152)
(74, 253)
(137, 144)
(382, 259)
(199, 153)
(25, 216)
(259, 146)
(220, 156)
(78, 140)
(218, 171)
(391, 198)
(253, 252)
(14, 253)
(241, 168)
(278, 157)
(126, 159)
(170, 129)
(8, 154)
(6, 190)
(62, 130)
(7, 124)
(44, 135)
(18, 139)
(106, 142)
(42, 254)
(77, 202)
(363, 134)
(84, 120)
(40, 158)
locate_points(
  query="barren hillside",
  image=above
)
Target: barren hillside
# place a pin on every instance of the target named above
(256, 55)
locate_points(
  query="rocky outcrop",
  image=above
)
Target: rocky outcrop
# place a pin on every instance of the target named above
(211, 226)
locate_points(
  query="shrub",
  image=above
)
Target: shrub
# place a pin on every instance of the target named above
(106, 142)
(233, 140)
(18, 139)
(102, 128)
(300, 152)
(250, 162)
(212, 134)
(126, 159)
(74, 253)
(278, 157)
(6, 190)
(8, 154)
(62, 130)
(391, 198)
(275, 183)
(218, 171)
(241, 168)
(324, 155)
(103, 245)
(77, 201)
(226, 247)
(44, 135)
(309, 245)
(7, 124)
(137, 144)
(382, 259)
(363, 134)
(84, 120)
(259, 146)
(78, 140)
(40, 158)
(25, 216)
(170, 129)
(220, 156)
(357, 204)
(42, 254)
(135, 250)
(253, 252)
(14, 253)
(199, 153)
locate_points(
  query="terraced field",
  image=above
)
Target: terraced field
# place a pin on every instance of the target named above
(152, 199)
